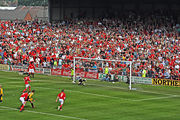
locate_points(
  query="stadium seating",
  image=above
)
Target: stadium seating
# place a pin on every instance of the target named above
(151, 41)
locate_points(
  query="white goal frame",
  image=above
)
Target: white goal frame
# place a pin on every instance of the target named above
(130, 63)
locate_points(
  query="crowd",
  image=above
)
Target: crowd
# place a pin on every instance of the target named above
(151, 41)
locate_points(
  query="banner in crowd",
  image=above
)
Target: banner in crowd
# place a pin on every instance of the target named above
(64, 72)
(18, 68)
(4, 67)
(139, 80)
(47, 71)
(93, 75)
(165, 82)
(25, 69)
(39, 70)
(101, 76)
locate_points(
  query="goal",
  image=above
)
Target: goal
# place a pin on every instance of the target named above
(83, 66)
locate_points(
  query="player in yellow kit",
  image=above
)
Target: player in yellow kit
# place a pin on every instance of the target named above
(1, 94)
(30, 99)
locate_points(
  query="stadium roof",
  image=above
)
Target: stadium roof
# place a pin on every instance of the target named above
(13, 13)
(7, 8)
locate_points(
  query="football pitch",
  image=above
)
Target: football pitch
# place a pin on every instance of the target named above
(95, 101)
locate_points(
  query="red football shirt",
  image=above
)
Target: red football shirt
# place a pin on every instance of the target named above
(24, 95)
(26, 79)
(31, 66)
(62, 95)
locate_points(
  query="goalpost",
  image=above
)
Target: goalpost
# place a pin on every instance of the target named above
(102, 61)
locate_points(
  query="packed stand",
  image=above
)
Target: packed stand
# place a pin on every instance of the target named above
(151, 41)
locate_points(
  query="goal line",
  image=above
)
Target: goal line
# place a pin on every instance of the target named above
(104, 60)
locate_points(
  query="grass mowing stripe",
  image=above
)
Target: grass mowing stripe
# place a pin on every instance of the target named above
(170, 96)
(87, 106)
(80, 92)
(107, 86)
(155, 98)
(43, 113)
(3, 109)
(143, 91)
(126, 89)
(117, 87)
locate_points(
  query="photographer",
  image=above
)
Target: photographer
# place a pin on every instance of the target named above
(107, 78)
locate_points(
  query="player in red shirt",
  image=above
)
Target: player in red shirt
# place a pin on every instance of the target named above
(61, 96)
(31, 69)
(22, 98)
(26, 79)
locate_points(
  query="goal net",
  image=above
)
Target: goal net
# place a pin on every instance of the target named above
(103, 69)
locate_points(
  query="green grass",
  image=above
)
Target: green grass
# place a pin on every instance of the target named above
(95, 101)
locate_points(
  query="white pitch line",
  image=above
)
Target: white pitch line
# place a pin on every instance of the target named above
(16, 82)
(126, 89)
(43, 113)
(96, 94)
(168, 95)
(81, 92)
(107, 86)
(157, 98)
(10, 78)
(3, 109)
(86, 93)
(110, 87)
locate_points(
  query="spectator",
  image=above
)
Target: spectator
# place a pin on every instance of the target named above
(151, 41)
(106, 71)
(144, 73)
(116, 79)
(107, 78)
(166, 74)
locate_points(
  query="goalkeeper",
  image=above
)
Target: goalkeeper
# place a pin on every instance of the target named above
(78, 77)
(30, 99)
(82, 81)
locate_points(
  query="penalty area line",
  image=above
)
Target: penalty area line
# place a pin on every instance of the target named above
(157, 98)
(86, 93)
(117, 87)
(93, 94)
(43, 113)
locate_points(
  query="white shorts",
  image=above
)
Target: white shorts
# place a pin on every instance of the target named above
(31, 70)
(27, 85)
(61, 101)
(22, 100)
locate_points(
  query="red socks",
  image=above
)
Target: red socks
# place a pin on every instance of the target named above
(61, 106)
(29, 88)
(24, 90)
(22, 107)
